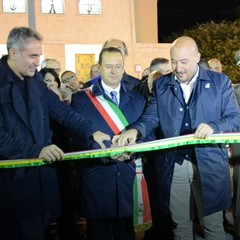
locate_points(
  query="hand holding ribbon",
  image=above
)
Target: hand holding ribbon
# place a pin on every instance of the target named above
(99, 137)
(128, 137)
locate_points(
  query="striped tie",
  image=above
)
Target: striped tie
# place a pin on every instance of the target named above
(114, 97)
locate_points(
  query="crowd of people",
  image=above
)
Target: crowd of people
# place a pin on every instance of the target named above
(46, 113)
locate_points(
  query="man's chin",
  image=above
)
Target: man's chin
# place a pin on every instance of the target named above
(31, 73)
(181, 78)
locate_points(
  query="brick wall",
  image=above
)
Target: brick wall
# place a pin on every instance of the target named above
(118, 19)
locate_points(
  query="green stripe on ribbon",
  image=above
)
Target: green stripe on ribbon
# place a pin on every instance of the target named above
(166, 143)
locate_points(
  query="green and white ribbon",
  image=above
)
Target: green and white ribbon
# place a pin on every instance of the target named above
(142, 217)
(166, 143)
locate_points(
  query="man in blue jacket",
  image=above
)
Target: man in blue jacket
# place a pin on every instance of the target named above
(29, 198)
(199, 101)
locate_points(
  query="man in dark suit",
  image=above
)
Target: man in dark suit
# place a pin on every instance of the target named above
(107, 184)
(29, 197)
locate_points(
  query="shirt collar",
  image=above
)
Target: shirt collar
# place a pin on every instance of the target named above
(108, 89)
(188, 88)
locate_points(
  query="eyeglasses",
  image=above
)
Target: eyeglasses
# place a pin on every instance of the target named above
(70, 79)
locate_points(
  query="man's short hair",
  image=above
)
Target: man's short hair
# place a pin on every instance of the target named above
(157, 61)
(19, 37)
(67, 71)
(110, 50)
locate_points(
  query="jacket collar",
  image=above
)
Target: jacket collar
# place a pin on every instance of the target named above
(125, 93)
(202, 76)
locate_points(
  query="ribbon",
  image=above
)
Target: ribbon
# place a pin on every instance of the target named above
(142, 217)
(224, 138)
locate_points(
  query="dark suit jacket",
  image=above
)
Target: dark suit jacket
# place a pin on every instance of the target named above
(107, 185)
(29, 198)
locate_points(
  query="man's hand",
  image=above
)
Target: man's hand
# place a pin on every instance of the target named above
(203, 131)
(99, 137)
(51, 153)
(122, 157)
(127, 138)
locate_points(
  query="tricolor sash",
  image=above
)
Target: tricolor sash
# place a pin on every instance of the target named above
(117, 122)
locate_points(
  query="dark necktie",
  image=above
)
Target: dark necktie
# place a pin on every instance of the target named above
(114, 97)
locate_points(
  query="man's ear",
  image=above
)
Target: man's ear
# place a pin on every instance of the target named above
(198, 57)
(12, 53)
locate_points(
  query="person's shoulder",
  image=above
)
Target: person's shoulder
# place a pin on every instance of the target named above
(130, 79)
(237, 92)
(91, 82)
(164, 79)
(5, 71)
(80, 93)
(87, 84)
(79, 97)
(132, 92)
(206, 74)
(237, 87)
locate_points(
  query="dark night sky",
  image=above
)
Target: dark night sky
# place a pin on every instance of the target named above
(176, 15)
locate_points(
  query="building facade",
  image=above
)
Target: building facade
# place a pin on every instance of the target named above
(75, 30)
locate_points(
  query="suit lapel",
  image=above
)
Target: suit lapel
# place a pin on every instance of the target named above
(177, 90)
(20, 105)
(36, 115)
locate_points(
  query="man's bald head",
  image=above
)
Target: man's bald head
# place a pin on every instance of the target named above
(215, 65)
(185, 42)
(184, 58)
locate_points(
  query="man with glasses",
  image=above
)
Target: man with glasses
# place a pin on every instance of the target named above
(70, 84)
(69, 79)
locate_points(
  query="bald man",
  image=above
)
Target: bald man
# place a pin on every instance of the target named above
(215, 65)
(193, 176)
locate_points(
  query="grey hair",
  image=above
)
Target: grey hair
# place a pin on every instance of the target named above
(19, 36)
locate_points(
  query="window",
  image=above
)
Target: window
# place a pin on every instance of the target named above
(53, 6)
(90, 7)
(14, 6)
